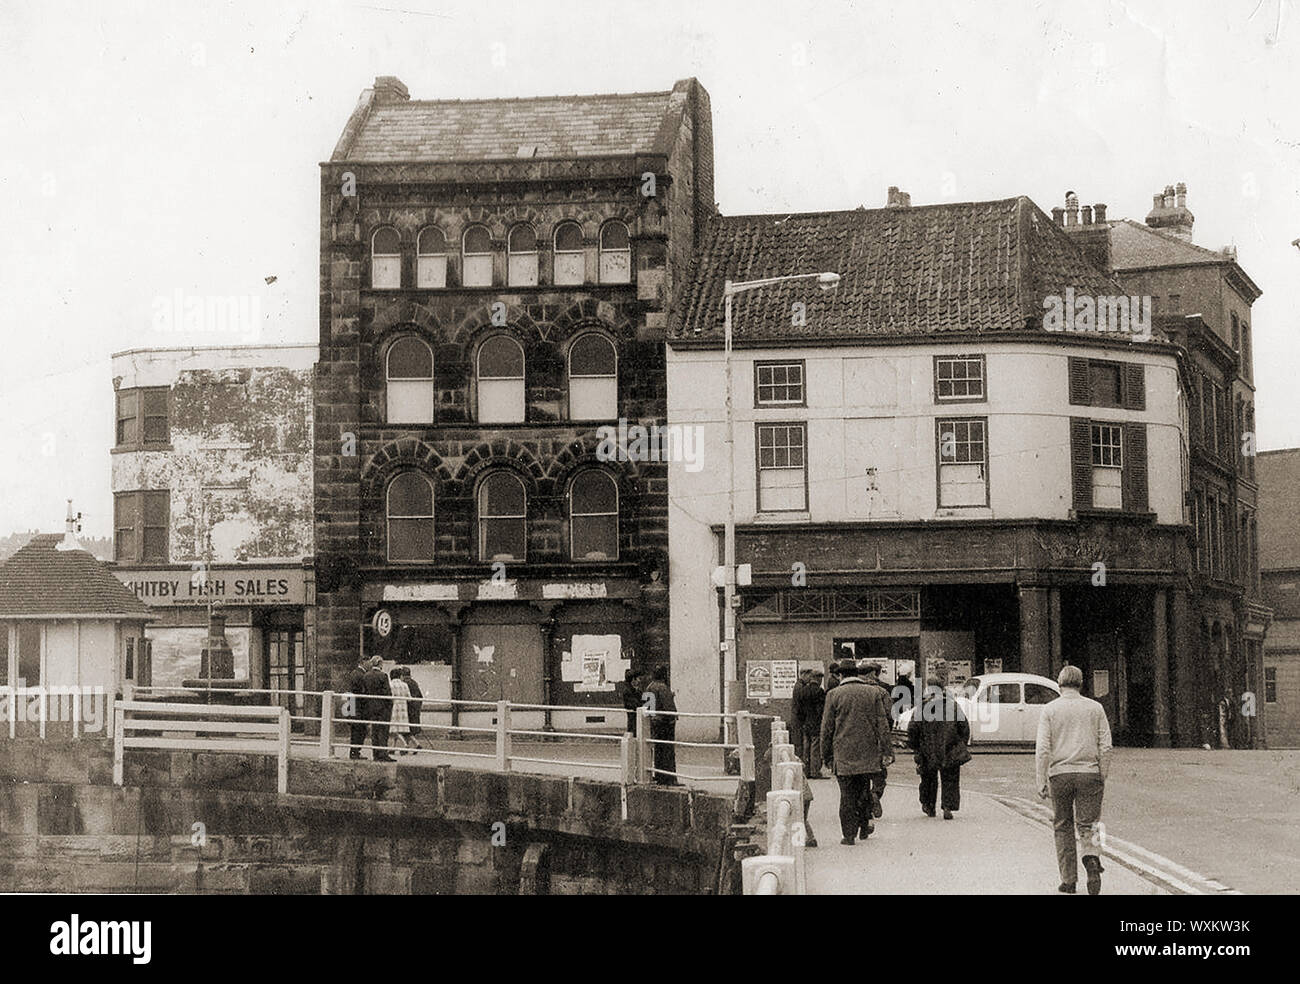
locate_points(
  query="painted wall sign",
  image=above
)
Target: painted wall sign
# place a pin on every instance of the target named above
(245, 586)
(421, 592)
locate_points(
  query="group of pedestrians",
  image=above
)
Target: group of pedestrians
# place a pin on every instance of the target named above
(383, 720)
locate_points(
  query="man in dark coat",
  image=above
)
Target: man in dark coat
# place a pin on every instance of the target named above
(939, 733)
(353, 703)
(632, 683)
(808, 704)
(903, 696)
(855, 733)
(416, 704)
(871, 674)
(663, 727)
(378, 712)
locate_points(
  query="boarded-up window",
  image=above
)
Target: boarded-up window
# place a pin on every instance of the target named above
(521, 261)
(140, 526)
(431, 259)
(410, 382)
(501, 381)
(476, 258)
(570, 262)
(410, 517)
(385, 259)
(615, 254)
(593, 516)
(1106, 383)
(593, 378)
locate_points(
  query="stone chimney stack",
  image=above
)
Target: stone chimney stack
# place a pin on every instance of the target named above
(898, 199)
(1170, 214)
(1071, 209)
(390, 89)
(1099, 212)
(1092, 234)
(1058, 215)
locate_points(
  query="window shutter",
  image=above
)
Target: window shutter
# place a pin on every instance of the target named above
(1081, 460)
(1079, 395)
(1135, 386)
(1134, 478)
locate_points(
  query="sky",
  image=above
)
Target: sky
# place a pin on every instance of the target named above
(148, 149)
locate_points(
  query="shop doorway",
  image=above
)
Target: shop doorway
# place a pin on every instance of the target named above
(284, 659)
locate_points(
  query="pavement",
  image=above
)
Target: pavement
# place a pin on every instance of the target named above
(986, 849)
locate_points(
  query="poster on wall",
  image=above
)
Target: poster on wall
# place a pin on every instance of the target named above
(784, 674)
(594, 664)
(1100, 683)
(758, 679)
(958, 672)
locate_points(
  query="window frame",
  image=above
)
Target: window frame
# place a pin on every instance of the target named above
(421, 282)
(568, 365)
(465, 256)
(574, 516)
(1270, 684)
(387, 257)
(602, 251)
(761, 364)
(556, 253)
(521, 379)
(389, 380)
(140, 417)
(978, 358)
(480, 499)
(940, 463)
(140, 527)
(511, 255)
(431, 518)
(759, 427)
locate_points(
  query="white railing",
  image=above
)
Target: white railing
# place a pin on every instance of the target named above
(781, 871)
(192, 728)
(632, 766)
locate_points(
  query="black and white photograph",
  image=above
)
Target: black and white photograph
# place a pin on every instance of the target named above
(651, 449)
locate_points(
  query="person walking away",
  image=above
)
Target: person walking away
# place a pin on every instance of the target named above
(855, 735)
(939, 734)
(902, 696)
(809, 703)
(399, 723)
(663, 727)
(375, 709)
(1072, 760)
(414, 706)
(632, 690)
(871, 674)
(354, 706)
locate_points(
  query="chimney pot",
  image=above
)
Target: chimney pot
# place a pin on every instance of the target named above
(898, 199)
(1099, 212)
(1058, 215)
(390, 89)
(1181, 195)
(1087, 215)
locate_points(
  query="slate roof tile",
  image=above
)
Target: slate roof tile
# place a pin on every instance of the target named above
(40, 580)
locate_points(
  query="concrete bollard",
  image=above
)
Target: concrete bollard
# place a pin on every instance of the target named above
(788, 775)
(784, 810)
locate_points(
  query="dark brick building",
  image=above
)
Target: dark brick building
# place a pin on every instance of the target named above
(496, 278)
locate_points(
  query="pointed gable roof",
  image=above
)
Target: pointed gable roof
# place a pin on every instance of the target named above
(42, 580)
(968, 267)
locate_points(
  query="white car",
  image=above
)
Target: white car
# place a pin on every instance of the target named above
(1001, 707)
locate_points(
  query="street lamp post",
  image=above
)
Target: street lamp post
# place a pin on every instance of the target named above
(730, 289)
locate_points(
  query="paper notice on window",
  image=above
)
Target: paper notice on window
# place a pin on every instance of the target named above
(596, 663)
(1100, 683)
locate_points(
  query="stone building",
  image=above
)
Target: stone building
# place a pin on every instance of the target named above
(212, 483)
(924, 469)
(1279, 562)
(495, 282)
(1201, 299)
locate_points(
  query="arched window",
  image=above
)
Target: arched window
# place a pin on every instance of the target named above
(570, 263)
(615, 254)
(593, 516)
(431, 258)
(593, 378)
(410, 517)
(409, 375)
(501, 381)
(502, 518)
(476, 257)
(521, 263)
(385, 259)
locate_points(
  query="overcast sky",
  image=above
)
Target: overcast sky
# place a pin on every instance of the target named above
(149, 148)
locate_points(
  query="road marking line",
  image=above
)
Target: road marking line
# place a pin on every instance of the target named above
(1161, 869)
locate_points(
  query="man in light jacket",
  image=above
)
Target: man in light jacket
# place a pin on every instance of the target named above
(856, 737)
(1072, 759)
